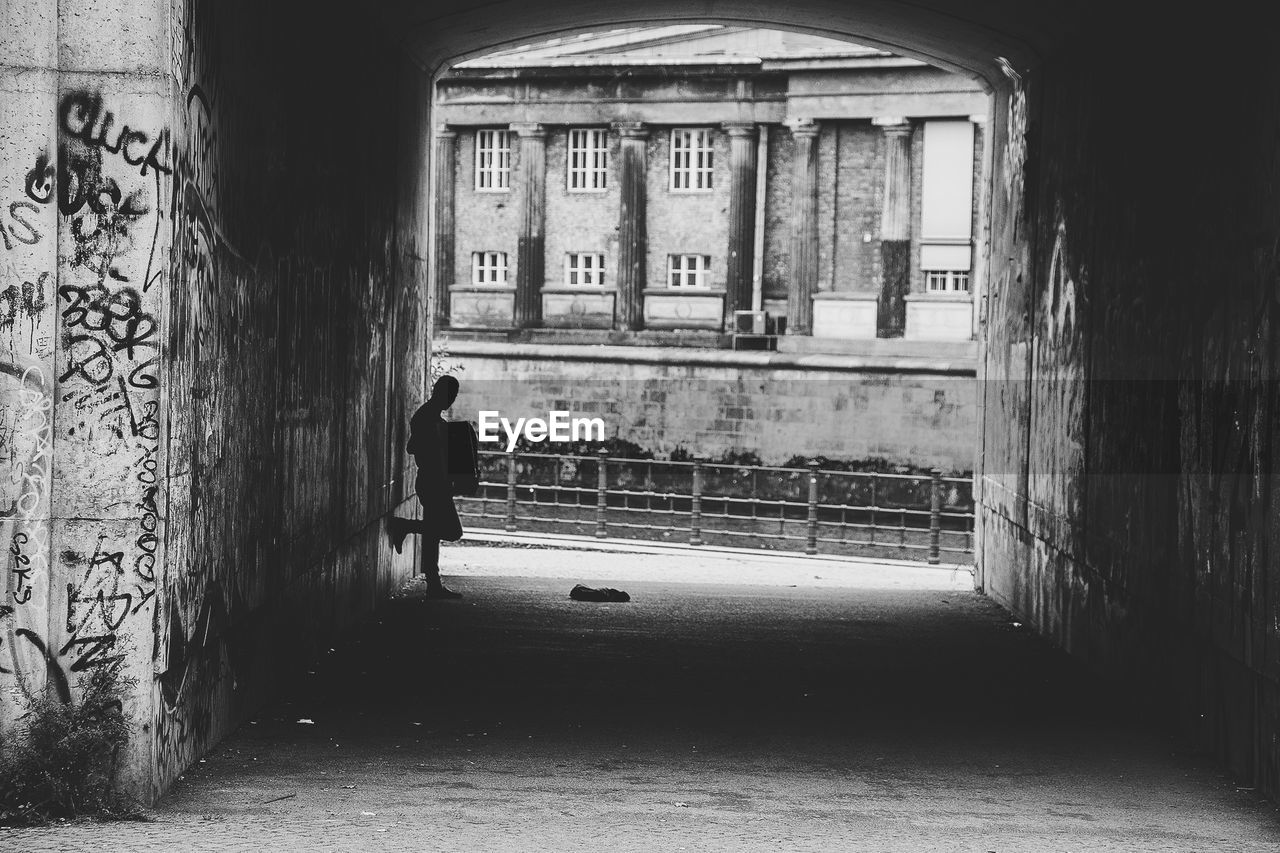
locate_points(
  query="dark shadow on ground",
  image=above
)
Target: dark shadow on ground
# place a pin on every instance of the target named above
(754, 661)
(700, 717)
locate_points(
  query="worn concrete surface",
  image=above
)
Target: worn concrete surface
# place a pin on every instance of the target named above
(871, 708)
(212, 336)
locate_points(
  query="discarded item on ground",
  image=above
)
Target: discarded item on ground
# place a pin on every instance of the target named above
(605, 593)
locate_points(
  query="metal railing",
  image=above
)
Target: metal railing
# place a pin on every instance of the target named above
(830, 511)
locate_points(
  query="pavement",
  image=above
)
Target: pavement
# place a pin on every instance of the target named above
(735, 704)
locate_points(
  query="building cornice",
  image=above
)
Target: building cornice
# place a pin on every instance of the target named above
(907, 357)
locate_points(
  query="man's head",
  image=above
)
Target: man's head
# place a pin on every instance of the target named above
(443, 393)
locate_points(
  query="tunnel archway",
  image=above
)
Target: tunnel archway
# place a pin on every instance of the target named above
(1096, 456)
(966, 38)
(532, 341)
(984, 43)
(1126, 489)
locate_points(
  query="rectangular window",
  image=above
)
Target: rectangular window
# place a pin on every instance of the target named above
(946, 193)
(688, 270)
(946, 206)
(488, 267)
(947, 281)
(493, 160)
(690, 159)
(588, 160)
(583, 268)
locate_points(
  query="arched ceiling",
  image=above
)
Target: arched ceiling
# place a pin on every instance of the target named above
(963, 35)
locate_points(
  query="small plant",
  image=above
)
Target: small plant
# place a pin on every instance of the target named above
(739, 457)
(65, 764)
(442, 363)
(680, 454)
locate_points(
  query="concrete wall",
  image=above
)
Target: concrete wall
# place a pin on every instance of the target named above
(86, 186)
(193, 492)
(708, 403)
(29, 237)
(1128, 491)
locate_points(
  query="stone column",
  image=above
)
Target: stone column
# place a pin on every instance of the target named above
(442, 271)
(632, 242)
(742, 218)
(804, 227)
(895, 228)
(531, 251)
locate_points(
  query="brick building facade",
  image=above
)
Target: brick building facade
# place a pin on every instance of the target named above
(830, 184)
(681, 186)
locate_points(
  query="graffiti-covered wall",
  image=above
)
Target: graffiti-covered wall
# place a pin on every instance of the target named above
(86, 181)
(1128, 484)
(212, 336)
(29, 224)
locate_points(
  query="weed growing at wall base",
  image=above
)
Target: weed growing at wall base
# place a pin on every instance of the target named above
(63, 763)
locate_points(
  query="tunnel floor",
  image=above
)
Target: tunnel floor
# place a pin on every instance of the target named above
(819, 707)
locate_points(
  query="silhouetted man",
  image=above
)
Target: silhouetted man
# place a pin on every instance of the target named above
(428, 442)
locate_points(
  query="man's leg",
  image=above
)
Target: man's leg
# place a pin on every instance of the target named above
(431, 568)
(398, 528)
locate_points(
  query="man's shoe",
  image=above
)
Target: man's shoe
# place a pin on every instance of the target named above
(442, 591)
(396, 532)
